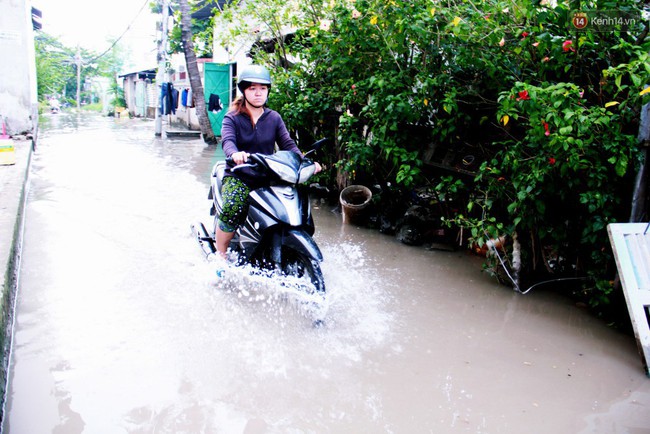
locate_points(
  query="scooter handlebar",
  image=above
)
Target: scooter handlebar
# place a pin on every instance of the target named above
(259, 160)
(254, 160)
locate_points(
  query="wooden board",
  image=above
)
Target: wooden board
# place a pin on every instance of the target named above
(188, 133)
(631, 245)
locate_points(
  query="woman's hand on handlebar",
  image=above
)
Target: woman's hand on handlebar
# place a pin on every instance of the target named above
(239, 157)
(318, 167)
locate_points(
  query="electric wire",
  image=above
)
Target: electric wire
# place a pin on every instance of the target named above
(515, 284)
(121, 36)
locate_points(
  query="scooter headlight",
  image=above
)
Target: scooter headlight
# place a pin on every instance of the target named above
(285, 172)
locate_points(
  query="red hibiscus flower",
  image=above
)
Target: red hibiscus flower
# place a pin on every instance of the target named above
(523, 95)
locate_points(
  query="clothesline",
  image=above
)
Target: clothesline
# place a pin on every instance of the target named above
(170, 101)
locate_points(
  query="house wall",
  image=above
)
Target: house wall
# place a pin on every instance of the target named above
(152, 100)
(18, 93)
(185, 115)
(140, 96)
(237, 52)
(128, 84)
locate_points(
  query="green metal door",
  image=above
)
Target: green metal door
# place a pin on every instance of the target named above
(217, 83)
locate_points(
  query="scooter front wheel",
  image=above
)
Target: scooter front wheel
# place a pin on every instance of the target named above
(302, 266)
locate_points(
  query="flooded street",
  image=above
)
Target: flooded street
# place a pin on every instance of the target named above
(122, 326)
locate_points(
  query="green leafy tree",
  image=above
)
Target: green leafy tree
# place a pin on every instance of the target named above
(56, 67)
(110, 65)
(202, 30)
(53, 67)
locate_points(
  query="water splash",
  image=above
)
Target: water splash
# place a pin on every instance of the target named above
(275, 292)
(353, 305)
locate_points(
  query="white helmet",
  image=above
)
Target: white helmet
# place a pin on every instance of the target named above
(253, 74)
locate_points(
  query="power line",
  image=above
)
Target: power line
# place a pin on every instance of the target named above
(146, 2)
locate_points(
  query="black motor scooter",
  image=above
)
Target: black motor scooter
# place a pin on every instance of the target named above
(277, 233)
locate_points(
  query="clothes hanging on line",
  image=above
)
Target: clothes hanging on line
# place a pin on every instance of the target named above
(214, 103)
(168, 99)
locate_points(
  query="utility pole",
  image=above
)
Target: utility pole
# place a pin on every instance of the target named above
(162, 64)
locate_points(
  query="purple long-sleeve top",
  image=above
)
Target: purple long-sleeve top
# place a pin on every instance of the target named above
(238, 134)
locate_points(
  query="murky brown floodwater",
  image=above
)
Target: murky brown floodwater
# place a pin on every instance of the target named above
(123, 327)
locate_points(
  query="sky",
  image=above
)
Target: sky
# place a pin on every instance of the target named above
(92, 24)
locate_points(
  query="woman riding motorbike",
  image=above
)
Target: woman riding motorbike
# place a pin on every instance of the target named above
(248, 127)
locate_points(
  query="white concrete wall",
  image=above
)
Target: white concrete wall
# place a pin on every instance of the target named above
(237, 50)
(128, 85)
(18, 94)
(185, 115)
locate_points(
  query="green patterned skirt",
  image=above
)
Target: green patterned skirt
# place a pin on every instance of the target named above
(235, 203)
